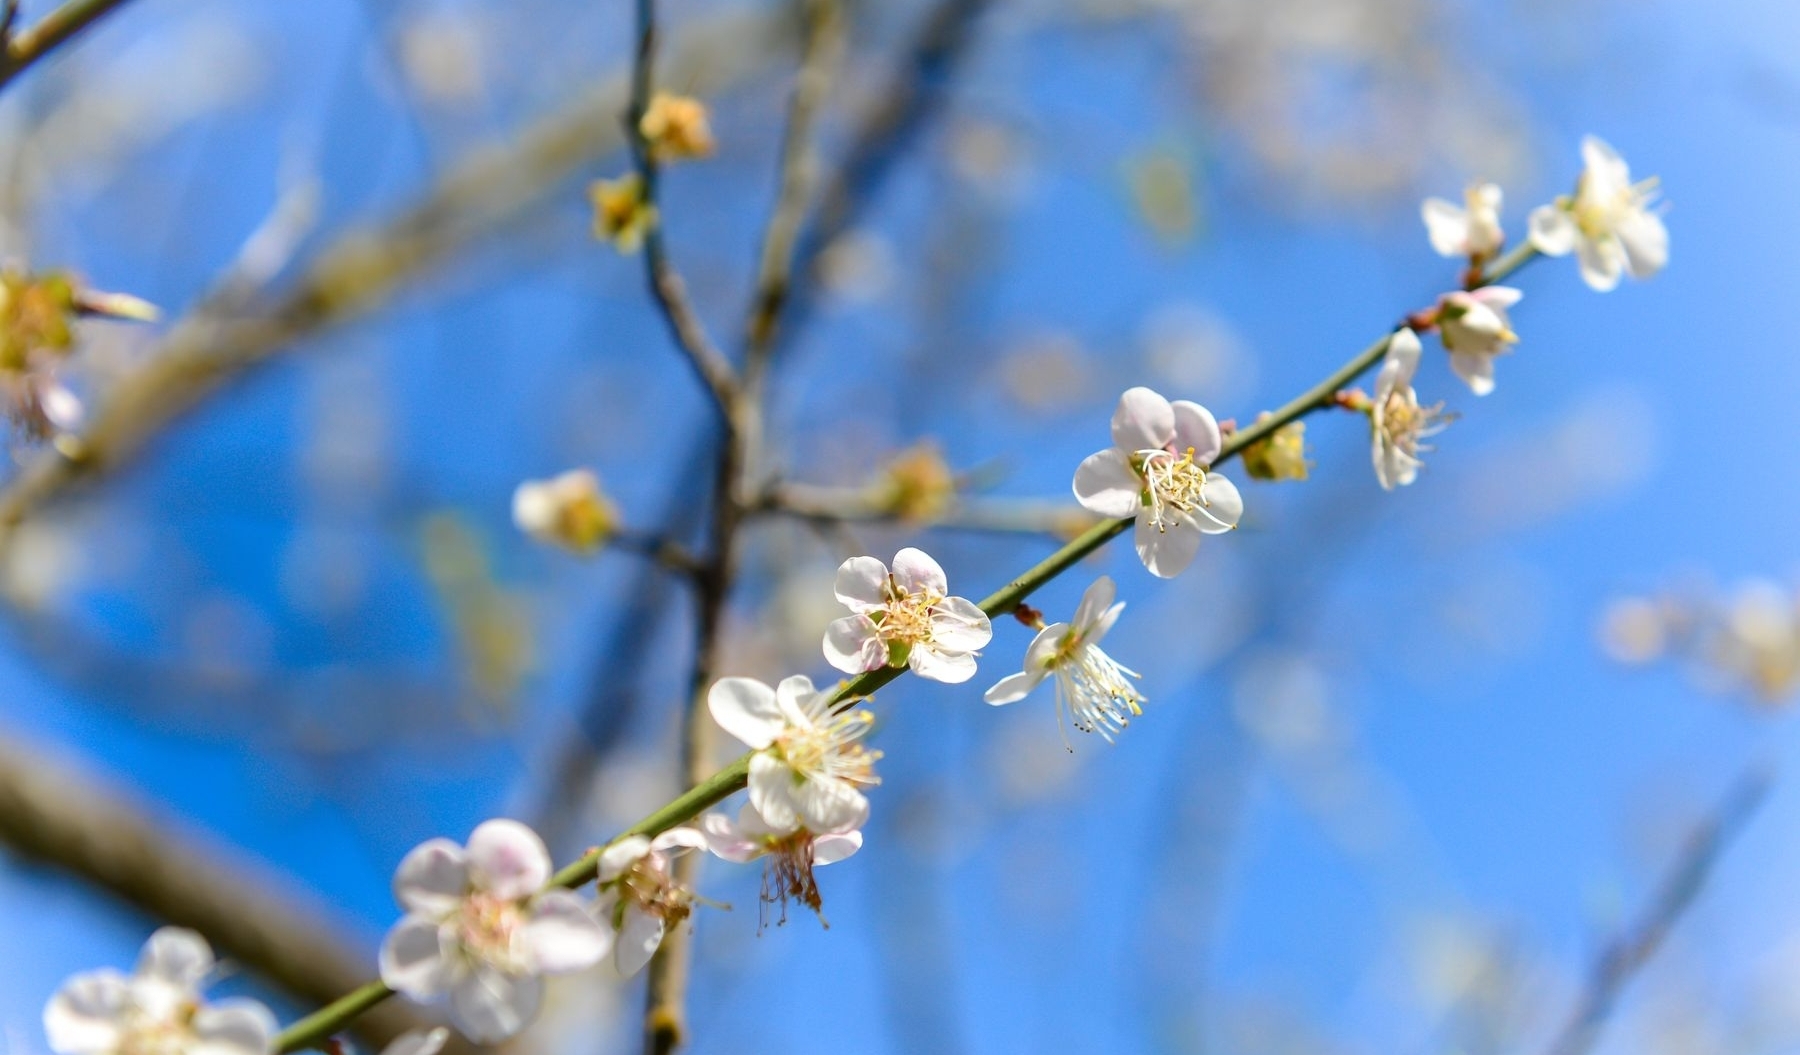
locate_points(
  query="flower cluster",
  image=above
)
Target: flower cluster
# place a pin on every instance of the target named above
(671, 128)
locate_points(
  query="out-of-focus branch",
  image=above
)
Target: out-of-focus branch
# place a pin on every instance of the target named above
(1633, 948)
(366, 268)
(1009, 516)
(43, 36)
(53, 816)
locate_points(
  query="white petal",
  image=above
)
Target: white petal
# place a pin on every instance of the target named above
(1497, 298)
(1645, 241)
(1143, 421)
(1475, 369)
(916, 572)
(1105, 483)
(862, 584)
(177, 956)
(826, 804)
(798, 701)
(1447, 226)
(1602, 261)
(752, 826)
(681, 838)
(958, 625)
(238, 1026)
(508, 859)
(1094, 602)
(1014, 687)
(1166, 553)
(638, 940)
(1552, 230)
(418, 1042)
(563, 935)
(620, 856)
(412, 958)
(1041, 654)
(725, 840)
(1394, 467)
(1196, 427)
(948, 667)
(433, 878)
(85, 1015)
(830, 849)
(1223, 506)
(489, 1005)
(746, 708)
(1603, 163)
(770, 784)
(1398, 367)
(853, 645)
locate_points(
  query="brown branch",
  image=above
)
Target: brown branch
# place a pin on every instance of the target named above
(46, 34)
(52, 815)
(1010, 516)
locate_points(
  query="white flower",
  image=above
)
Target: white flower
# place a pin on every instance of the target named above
(481, 927)
(157, 1010)
(1396, 419)
(567, 510)
(809, 762)
(792, 853)
(639, 897)
(1472, 229)
(1475, 328)
(1157, 472)
(1608, 221)
(904, 617)
(1090, 685)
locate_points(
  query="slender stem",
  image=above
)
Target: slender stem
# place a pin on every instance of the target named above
(46, 34)
(733, 777)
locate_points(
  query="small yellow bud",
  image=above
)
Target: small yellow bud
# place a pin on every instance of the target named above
(1281, 455)
(677, 128)
(919, 485)
(621, 214)
(568, 510)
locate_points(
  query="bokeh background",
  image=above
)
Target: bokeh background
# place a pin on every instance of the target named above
(1394, 792)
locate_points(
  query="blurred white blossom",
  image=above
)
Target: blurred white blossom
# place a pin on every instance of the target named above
(1608, 222)
(157, 1009)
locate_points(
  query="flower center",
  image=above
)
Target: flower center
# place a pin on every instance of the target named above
(1173, 485)
(1092, 688)
(830, 748)
(149, 1033)
(648, 885)
(487, 926)
(788, 875)
(1404, 422)
(907, 617)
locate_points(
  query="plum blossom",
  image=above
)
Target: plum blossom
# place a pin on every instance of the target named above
(1091, 686)
(1157, 472)
(640, 898)
(905, 616)
(1396, 419)
(676, 127)
(809, 763)
(568, 510)
(792, 854)
(1475, 328)
(1471, 229)
(1609, 221)
(480, 926)
(157, 1009)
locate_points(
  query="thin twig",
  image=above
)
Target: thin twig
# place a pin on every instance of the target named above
(666, 552)
(1001, 516)
(1621, 961)
(43, 36)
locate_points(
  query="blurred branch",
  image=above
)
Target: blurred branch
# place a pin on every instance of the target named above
(1018, 516)
(365, 268)
(1632, 949)
(43, 36)
(54, 816)
(662, 551)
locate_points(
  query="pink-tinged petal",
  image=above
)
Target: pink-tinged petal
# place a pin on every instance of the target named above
(1095, 600)
(639, 939)
(1196, 427)
(750, 824)
(862, 584)
(950, 668)
(238, 1026)
(176, 956)
(682, 838)
(958, 625)
(86, 1015)
(853, 645)
(771, 783)
(798, 701)
(826, 804)
(1477, 371)
(1105, 483)
(1168, 551)
(1144, 421)
(508, 859)
(1014, 687)
(1553, 231)
(1602, 262)
(1497, 298)
(433, 878)
(1222, 506)
(917, 572)
(489, 1005)
(418, 1042)
(1447, 225)
(725, 840)
(413, 959)
(1645, 241)
(747, 709)
(616, 859)
(830, 849)
(563, 935)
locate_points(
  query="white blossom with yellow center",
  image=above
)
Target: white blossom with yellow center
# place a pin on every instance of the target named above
(639, 896)
(1471, 229)
(1092, 688)
(904, 616)
(792, 854)
(1475, 328)
(1609, 222)
(157, 1009)
(1158, 471)
(1397, 421)
(810, 763)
